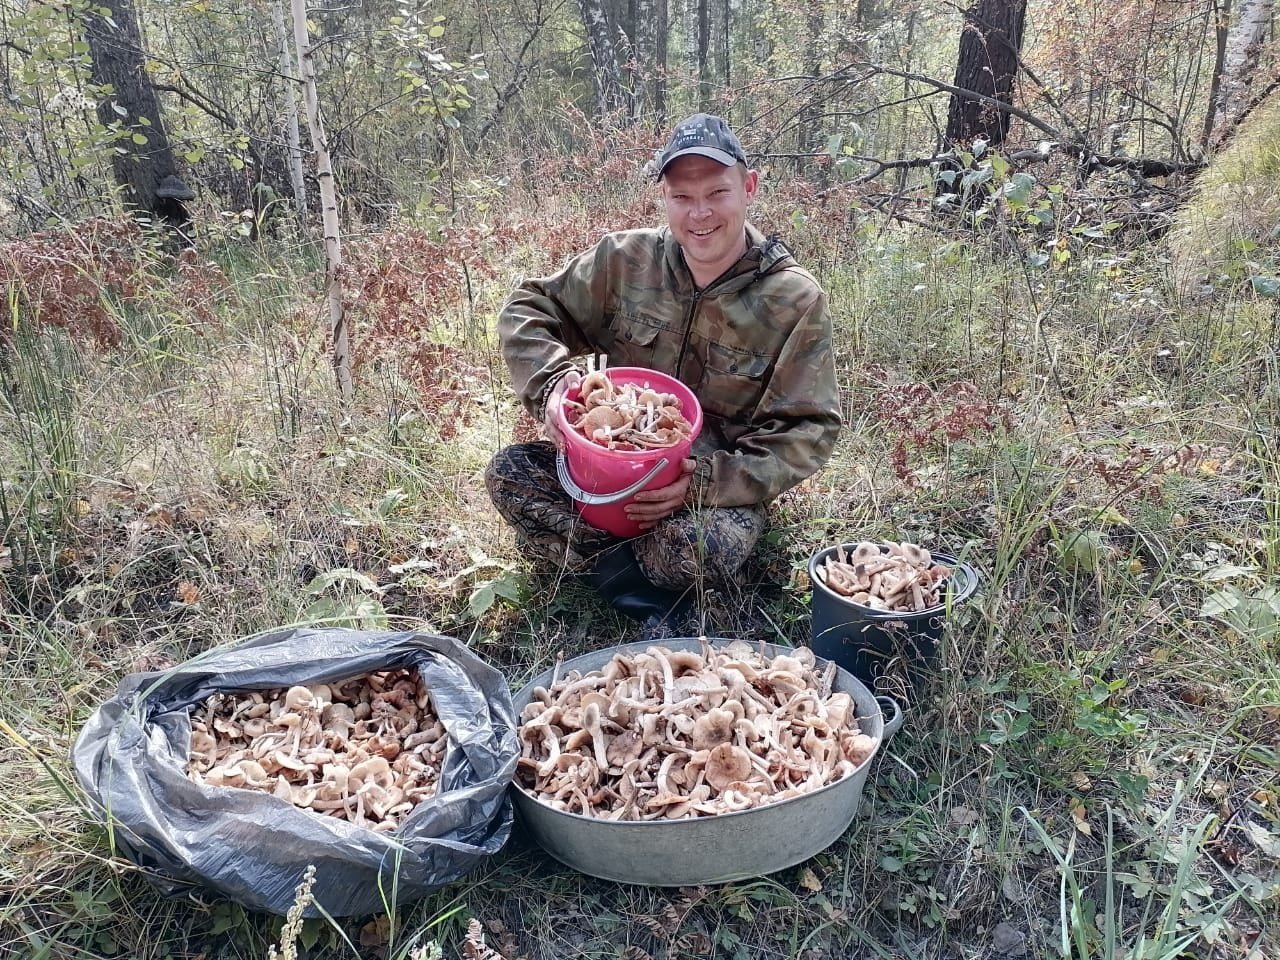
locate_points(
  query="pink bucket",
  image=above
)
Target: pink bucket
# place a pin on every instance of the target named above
(602, 481)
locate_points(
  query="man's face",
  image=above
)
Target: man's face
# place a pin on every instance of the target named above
(706, 206)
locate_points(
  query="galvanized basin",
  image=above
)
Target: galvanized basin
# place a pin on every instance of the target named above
(719, 849)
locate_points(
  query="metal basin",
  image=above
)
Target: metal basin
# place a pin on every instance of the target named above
(717, 849)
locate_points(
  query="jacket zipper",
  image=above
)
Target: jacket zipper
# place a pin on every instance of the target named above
(699, 294)
(688, 330)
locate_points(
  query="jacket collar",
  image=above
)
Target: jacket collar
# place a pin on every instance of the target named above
(764, 255)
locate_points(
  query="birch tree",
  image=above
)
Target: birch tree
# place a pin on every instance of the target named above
(1240, 58)
(604, 58)
(293, 138)
(328, 203)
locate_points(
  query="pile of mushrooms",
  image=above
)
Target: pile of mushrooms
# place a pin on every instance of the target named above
(886, 576)
(626, 417)
(366, 750)
(681, 734)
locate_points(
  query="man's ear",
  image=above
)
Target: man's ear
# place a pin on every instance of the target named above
(751, 183)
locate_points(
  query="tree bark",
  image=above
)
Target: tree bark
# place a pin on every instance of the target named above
(293, 138)
(703, 54)
(662, 24)
(645, 73)
(339, 337)
(143, 164)
(1243, 48)
(987, 63)
(604, 58)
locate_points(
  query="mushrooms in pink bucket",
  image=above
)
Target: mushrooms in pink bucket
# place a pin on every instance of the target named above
(626, 417)
(665, 734)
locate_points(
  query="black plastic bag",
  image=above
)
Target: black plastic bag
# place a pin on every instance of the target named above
(131, 759)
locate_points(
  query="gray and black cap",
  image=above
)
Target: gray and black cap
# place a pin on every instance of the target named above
(703, 135)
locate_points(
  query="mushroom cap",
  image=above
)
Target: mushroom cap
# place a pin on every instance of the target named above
(712, 728)
(726, 764)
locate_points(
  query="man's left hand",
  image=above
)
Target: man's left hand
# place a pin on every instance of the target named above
(650, 506)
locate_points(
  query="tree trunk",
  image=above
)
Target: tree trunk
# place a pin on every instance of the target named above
(1244, 47)
(608, 85)
(293, 139)
(1221, 13)
(662, 24)
(328, 204)
(645, 73)
(990, 43)
(726, 45)
(143, 163)
(703, 54)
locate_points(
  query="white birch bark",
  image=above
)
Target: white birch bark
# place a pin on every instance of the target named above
(328, 204)
(293, 140)
(1244, 47)
(604, 58)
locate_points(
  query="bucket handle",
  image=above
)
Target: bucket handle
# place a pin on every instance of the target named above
(600, 499)
(894, 723)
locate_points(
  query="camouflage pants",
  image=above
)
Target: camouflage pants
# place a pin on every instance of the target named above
(690, 547)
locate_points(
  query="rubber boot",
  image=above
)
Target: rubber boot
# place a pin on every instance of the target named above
(617, 577)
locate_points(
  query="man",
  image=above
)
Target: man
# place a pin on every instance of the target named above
(714, 303)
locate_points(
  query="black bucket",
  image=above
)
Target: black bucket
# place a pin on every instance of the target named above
(872, 644)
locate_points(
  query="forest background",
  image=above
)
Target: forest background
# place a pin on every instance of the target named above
(251, 256)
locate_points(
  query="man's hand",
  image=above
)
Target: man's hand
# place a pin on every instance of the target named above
(551, 412)
(650, 506)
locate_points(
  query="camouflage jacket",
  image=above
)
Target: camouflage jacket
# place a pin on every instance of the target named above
(754, 345)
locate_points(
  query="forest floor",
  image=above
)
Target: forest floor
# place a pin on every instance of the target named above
(1093, 772)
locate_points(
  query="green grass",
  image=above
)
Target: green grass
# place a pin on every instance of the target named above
(1094, 768)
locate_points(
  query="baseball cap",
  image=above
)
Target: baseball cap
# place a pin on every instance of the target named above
(706, 136)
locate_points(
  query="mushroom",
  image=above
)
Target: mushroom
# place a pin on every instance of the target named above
(327, 746)
(888, 576)
(713, 728)
(726, 764)
(700, 734)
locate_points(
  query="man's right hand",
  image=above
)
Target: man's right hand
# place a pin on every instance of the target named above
(551, 412)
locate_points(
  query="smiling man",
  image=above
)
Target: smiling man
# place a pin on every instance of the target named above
(714, 303)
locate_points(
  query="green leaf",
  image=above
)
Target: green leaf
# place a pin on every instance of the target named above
(891, 864)
(1265, 286)
(975, 178)
(194, 155)
(341, 575)
(435, 32)
(1222, 602)
(1018, 189)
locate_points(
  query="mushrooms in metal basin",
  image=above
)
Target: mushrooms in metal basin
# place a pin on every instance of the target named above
(677, 734)
(367, 749)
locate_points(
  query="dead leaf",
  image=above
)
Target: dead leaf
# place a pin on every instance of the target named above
(376, 932)
(1013, 889)
(1080, 780)
(809, 880)
(1078, 815)
(188, 592)
(964, 816)
(1265, 840)
(1008, 940)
